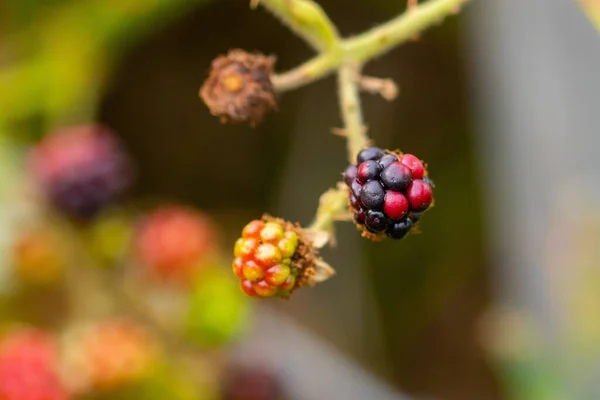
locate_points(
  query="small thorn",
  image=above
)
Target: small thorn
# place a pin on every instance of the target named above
(339, 132)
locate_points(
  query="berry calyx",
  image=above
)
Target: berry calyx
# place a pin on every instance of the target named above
(273, 258)
(388, 192)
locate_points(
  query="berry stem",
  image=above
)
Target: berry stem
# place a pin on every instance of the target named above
(332, 204)
(360, 48)
(308, 20)
(349, 97)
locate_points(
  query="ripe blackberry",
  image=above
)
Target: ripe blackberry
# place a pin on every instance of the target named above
(389, 191)
(275, 257)
(81, 169)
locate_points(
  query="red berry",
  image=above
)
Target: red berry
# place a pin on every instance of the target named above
(172, 241)
(267, 255)
(246, 286)
(252, 271)
(253, 229)
(277, 274)
(28, 368)
(238, 264)
(368, 170)
(395, 205)
(419, 195)
(415, 165)
(264, 289)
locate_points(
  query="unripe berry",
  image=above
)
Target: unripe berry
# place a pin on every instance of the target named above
(173, 241)
(29, 368)
(38, 257)
(277, 261)
(395, 205)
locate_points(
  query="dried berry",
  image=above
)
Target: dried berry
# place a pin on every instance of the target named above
(239, 87)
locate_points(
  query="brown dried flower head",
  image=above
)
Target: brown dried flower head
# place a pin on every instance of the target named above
(239, 88)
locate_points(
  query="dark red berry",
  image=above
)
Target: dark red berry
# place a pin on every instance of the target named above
(372, 195)
(359, 217)
(354, 202)
(419, 195)
(350, 174)
(368, 170)
(395, 205)
(399, 229)
(376, 221)
(396, 176)
(355, 187)
(415, 165)
(387, 160)
(370, 153)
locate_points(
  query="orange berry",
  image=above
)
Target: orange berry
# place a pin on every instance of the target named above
(252, 271)
(277, 274)
(238, 264)
(253, 229)
(267, 255)
(263, 289)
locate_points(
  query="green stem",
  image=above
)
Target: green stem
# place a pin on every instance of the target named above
(366, 46)
(381, 39)
(331, 205)
(349, 97)
(307, 19)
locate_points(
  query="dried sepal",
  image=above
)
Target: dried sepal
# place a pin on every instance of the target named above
(239, 87)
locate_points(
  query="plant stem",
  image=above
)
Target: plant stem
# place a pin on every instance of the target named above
(385, 37)
(361, 48)
(349, 97)
(331, 204)
(307, 19)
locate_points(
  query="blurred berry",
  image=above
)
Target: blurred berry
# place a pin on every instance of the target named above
(173, 241)
(251, 383)
(109, 237)
(29, 368)
(38, 257)
(239, 87)
(267, 261)
(81, 169)
(108, 355)
(388, 192)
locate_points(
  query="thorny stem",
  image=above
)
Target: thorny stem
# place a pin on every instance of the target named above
(365, 46)
(347, 56)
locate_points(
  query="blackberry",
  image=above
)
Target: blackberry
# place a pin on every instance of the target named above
(376, 221)
(399, 229)
(388, 192)
(368, 170)
(372, 195)
(370, 153)
(81, 169)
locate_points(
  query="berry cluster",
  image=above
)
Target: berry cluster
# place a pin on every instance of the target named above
(388, 192)
(82, 169)
(265, 258)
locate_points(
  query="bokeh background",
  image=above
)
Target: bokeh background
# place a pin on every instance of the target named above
(497, 298)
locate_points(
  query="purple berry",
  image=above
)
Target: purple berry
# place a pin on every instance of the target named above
(396, 176)
(370, 153)
(387, 160)
(359, 217)
(350, 174)
(372, 195)
(368, 170)
(355, 187)
(376, 221)
(354, 202)
(399, 229)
